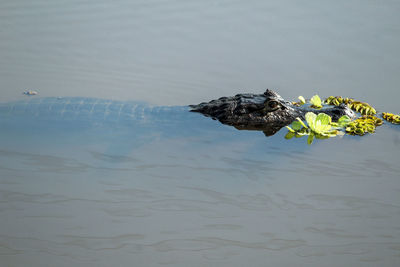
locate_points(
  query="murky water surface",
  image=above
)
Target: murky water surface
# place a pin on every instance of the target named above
(193, 192)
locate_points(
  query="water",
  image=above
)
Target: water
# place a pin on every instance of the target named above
(197, 193)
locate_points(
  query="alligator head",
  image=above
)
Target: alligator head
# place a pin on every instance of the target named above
(267, 112)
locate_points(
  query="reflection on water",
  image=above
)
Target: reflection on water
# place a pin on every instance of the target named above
(184, 190)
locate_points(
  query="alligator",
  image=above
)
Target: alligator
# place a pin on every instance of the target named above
(267, 112)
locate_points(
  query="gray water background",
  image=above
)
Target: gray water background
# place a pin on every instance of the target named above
(234, 199)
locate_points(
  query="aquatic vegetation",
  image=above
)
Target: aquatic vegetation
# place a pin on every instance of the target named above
(316, 102)
(301, 102)
(358, 106)
(337, 100)
(319, 126)
(362, 107)
(390, 117)
(363, 125)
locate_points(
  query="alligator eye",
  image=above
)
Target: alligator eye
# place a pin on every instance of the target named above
(272, 105)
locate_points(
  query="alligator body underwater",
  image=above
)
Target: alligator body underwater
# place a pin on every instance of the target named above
(74, 126)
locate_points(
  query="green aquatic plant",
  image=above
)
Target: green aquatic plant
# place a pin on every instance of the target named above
(337, 100)
(358, 106)
(362, 107)
(390, 117)
(319, 126)
(301, 101)
(363, 125)
(316, 102)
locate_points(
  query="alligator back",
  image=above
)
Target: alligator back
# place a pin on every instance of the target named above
(86, 119)
(89, 109)
(58, 125)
